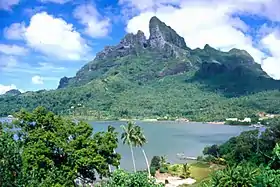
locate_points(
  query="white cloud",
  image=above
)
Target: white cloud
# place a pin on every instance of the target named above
(56, 1)
(4, 89)
(95, 25)
(271, 42)
(8, 4)
(57, 38)
(13, 49)
(208, 22)
(15, 31)
(37, 80)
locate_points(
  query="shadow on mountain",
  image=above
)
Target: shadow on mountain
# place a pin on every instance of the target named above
(233, 82)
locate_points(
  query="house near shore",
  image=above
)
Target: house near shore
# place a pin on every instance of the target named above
(232, 119)
(246, 120)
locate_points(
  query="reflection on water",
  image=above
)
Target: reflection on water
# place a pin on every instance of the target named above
(170, 138)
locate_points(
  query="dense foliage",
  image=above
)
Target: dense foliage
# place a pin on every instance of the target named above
(52, 151)
(169, 97)
(121, 178)
(10, 159)
(252, 158)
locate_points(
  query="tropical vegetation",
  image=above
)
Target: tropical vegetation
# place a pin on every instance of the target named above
(139, 78)
(251, 159)
(42, 149)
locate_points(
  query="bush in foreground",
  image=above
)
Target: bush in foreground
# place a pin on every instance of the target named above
(52, 151)
(121, 178)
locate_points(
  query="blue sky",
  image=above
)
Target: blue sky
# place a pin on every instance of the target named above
(44, 40)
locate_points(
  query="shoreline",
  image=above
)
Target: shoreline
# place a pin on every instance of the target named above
(178, 120)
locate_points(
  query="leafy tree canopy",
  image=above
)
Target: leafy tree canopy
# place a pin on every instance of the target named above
(56, 152)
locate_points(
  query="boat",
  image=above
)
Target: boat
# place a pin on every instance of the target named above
(182, 156)
(257, 126)
(10, 117)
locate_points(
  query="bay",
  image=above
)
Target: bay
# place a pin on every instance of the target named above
(169, 138)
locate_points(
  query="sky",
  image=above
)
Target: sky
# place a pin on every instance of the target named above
(42, 41)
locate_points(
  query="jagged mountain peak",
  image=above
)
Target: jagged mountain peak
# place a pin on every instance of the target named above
(164, 53)
(161, 34)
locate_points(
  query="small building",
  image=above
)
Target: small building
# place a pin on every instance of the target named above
(232, 119)
(270, 116)
(246, 120)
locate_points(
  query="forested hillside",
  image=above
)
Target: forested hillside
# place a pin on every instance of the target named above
(158, 77)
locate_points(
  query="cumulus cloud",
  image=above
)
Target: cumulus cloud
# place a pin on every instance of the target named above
(209, 22)
(4, 88)
(37, 80)
(12, 49)
(57, 38)
(8, 4)
(95, 25)
(271, 42)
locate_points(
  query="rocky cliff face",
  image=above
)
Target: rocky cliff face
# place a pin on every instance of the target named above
(130, 44)
(162, 35)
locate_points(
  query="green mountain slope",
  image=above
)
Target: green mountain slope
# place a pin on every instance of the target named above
(158, 77)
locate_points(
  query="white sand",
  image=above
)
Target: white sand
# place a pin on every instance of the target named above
(176, 181)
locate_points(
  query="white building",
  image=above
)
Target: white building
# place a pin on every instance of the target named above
(247, 120)
(232, 119)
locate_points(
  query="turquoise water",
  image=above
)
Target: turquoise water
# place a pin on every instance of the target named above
(170, 138)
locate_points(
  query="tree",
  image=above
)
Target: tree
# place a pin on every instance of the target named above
(155, 162)
(127, 137)
(140, 140)
(10, 160)
(56, 152)
(212, 150)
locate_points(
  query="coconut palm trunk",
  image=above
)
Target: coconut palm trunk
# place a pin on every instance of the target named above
(132, 155)
(147, 162)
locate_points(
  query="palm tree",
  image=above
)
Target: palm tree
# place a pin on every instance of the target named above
(111, 129)
(163, 160)
(128, 137)
(140, 141)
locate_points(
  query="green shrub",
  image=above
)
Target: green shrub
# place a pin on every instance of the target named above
(155, 162)
(199, 158)
(153, 171)
(163, 170)
(174, 168)
(122, 178)
(269, 178)
(185, 171)
(240, 175)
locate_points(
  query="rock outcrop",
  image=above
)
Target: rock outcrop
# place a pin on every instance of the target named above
(161, 34)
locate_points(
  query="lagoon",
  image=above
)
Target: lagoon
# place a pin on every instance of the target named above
(169, 138)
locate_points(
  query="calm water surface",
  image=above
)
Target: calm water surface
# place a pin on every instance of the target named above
(170, 138)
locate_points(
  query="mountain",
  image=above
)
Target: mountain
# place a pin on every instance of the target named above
(159, 76)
